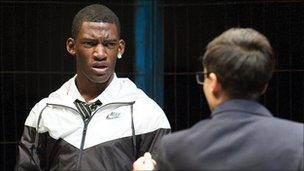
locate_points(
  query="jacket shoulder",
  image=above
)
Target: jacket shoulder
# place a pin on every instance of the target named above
(33, 116)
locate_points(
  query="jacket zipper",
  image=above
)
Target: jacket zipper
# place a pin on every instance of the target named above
(84, 133)
(86, 123)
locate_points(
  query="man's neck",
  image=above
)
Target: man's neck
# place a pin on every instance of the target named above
(219, 99)
(90, 90)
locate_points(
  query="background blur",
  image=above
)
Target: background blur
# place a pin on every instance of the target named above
(164, 41)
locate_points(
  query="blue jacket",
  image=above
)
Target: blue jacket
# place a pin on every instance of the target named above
(240, 135)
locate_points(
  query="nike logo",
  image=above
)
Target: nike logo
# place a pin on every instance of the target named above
(113, 115)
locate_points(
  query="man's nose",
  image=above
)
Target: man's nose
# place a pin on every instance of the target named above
(99, 51)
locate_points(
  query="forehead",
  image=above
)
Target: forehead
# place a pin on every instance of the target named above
(98, 29)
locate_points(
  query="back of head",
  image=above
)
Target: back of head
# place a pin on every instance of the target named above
(94, 13)
(242, 60)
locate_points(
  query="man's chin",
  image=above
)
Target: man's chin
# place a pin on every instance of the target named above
(101, 79)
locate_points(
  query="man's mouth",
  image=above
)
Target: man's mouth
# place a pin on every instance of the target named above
(100, 68)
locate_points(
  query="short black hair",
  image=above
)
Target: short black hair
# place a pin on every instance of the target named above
(94, 13)
(243, 61)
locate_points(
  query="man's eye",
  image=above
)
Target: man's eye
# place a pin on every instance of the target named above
(110, 45)
(88, 44)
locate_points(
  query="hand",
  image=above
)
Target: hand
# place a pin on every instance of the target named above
(144, 163)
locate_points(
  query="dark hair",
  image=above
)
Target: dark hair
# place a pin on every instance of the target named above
(94, 13)
(243, 61)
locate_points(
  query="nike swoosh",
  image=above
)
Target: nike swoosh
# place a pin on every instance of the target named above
(113, 115)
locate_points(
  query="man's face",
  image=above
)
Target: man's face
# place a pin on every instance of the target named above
(96, 47)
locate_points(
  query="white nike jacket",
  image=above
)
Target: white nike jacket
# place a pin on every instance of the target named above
(57, 137)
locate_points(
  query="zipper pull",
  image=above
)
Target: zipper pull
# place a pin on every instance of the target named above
(86, 122)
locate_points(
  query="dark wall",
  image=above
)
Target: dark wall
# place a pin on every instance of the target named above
(34, 61)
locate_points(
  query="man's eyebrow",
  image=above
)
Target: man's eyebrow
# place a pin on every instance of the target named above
(110, 40)
(105, 40)
(90, 39)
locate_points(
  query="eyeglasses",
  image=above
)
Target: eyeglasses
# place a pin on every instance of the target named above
(200, 77)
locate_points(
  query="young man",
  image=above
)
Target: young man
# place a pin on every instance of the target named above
(95, 121)
(241, 134)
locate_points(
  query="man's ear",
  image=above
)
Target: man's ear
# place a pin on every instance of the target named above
(121, 46)
(70, 46)
(215, 86)
(264, 89)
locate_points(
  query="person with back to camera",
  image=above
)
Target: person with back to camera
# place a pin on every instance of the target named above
(241, 134)
(94, 121)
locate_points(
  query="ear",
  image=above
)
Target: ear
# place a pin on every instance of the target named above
(215, 86)
(264, 89)
(70, 46)
(121, 46)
